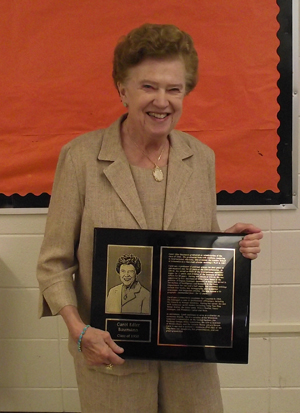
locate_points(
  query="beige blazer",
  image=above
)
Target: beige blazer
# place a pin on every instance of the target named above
(94, 187)
(137, 300)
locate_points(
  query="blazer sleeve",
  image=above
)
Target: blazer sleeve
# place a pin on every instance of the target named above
(57, 261)
(212, 182)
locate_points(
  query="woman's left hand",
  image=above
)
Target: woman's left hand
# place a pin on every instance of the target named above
(250, 244)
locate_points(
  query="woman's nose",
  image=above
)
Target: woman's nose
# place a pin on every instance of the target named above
(161, 100)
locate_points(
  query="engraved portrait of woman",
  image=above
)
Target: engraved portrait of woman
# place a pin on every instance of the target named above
(129, 296)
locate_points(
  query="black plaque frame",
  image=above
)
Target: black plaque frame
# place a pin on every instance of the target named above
(199, 285)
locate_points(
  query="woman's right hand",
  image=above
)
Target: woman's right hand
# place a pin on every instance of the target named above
(99, 348)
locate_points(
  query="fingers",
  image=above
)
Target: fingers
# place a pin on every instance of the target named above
(99, 348)
(250, 255)
(250, 245)
(113, 350)
(242, 227)
(249, 228)
(114, 359)
(254, 236)
(106, 356)
(113, 345)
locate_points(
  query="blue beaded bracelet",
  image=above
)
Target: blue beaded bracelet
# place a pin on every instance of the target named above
(80, 337)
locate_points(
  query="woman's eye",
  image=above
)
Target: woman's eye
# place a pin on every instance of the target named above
(147, 86)
(175, 89)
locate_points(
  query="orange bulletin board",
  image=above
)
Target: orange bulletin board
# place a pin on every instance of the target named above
(55, 70)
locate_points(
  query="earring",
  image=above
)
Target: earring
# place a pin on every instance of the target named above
(125, 104)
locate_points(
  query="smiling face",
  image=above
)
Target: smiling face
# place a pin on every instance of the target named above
(154, 92)
(127, 274)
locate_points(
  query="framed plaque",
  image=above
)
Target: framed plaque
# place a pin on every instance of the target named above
(172, 295)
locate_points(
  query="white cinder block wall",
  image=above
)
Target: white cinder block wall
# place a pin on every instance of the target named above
(36, 371)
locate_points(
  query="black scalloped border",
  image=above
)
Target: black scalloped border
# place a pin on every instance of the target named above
(285, 116)
(27, 201)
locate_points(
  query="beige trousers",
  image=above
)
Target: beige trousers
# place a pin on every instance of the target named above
(149, 387)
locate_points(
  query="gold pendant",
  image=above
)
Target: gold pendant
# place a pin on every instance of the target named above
(157, 174)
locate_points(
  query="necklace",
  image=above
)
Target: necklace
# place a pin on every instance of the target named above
(157, 172)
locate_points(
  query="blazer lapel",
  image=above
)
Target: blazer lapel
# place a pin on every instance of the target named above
(178, 175)
(118, 172)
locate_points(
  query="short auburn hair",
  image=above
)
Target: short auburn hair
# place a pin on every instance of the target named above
(157, 41)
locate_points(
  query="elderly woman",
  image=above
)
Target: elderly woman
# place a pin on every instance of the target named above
(129, 296)
(138, 173)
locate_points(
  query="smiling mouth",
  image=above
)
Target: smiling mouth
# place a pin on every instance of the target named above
(158, 115)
